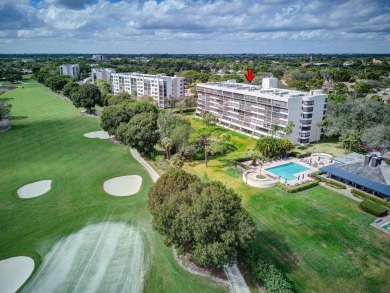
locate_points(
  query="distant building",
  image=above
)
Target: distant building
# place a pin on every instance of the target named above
(98, 57)
(102, 73)
(72, 70)
(366, 172)
(141, 59)
(160, 87)
(254, 109)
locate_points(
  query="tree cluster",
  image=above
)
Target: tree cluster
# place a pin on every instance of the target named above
(359, 120)
(272, 147)
(134, 123)
(203, 219)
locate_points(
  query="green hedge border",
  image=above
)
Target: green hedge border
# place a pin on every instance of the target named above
(373, 208)
(362, 195)
(334, 184)
(297, 188)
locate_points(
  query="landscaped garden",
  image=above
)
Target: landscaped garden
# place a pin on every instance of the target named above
(46, 142)
(320, 239)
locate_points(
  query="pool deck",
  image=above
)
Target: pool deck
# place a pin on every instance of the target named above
(304, 176)
(249, 176)
(378, 225)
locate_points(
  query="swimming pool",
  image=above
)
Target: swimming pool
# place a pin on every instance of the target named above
(287, 171)
(386, 226)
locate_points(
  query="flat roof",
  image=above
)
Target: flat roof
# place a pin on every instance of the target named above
(336, 170)
(257, 90)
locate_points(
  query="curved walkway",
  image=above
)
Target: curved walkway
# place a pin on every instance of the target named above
(236, 280)
(153, 174)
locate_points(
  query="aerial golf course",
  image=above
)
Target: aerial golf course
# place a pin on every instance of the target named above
(78, 235)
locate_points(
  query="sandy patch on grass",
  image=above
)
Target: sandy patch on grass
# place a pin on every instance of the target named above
(14, 272)
(98, 134)
(123, 186)
(105, 257)
(34, 189)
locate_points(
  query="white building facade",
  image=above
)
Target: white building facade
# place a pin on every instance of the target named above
(252, 109)
(160, 87)
(102, 73)
(72, 70)
(98, 57)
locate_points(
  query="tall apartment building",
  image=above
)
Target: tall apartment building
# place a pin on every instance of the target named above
(160, 87)
(254, 109)
(70, 70)
(102, 73)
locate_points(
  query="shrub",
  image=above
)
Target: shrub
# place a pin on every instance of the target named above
(362, 195)
(272, 279)
(243, 165)
(5, 109)
(373, 208)
(297, 188)
(332, 183)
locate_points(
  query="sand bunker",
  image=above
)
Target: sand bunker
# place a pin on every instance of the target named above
(98, 134)
(107, 257)
(14, 272)
(123, 186)
(34, 189)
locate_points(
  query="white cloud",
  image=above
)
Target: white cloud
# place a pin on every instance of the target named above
(170, 21)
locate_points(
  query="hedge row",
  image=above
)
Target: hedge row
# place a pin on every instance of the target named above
(362, 195)
(271, 278)
(296, 188)
(332, 183)
(373, 208)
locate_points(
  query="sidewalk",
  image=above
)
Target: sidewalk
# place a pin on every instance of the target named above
(346, 192)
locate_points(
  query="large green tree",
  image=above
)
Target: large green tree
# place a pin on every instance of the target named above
(204, 219)
(69, 88)
(87, 96)
(140, 132)
(122, 112)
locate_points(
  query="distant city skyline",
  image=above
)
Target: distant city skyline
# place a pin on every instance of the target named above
(194, 27)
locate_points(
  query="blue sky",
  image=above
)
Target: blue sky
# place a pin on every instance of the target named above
(182, 26)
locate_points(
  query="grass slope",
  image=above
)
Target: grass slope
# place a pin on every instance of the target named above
(319, 238)
(46, 142)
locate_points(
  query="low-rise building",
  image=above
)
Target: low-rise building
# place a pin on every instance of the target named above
(253, 110)
(160, 87)
(367, 172)
(102, 73)
(72, 70)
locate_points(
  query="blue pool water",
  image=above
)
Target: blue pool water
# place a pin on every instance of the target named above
(287, 171)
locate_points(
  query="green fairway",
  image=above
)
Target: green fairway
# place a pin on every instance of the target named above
(46, 142)
(320, 239)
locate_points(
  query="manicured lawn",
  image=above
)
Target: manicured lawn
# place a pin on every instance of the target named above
(46, 142)
(319, 238)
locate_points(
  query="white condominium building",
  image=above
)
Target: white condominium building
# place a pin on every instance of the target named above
(102, 73)
(70, 70)
(98, 57)
(254, 109)
(160, 87)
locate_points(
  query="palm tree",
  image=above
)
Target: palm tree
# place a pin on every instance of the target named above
(274, 129)
(166, 143)
(289, 128)
(254, 155)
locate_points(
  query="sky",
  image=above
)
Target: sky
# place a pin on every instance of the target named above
(194, 27)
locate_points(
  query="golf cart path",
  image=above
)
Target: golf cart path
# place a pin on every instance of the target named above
(237, 282)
